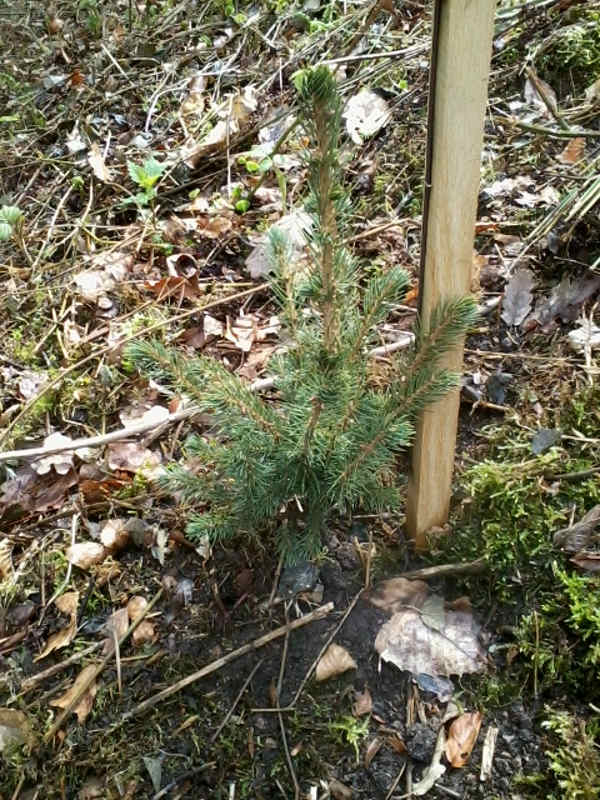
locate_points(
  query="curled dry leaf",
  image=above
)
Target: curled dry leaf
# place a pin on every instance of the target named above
(96, 162)
(573, 152)
(373, 748)
(136, 606)
(116, 626)
(84, 706)
(143, 633)
(462, 736)
(335, 660)
(85, 554)
(365, 113)
(131, 456)
(115, 535)
(67, 604)
(6, 565)
(396, 594)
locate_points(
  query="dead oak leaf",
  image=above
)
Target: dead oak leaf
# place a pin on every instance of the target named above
(84, 706)
(334, 661)
(67, 604)
(462, 736)
(573, 152)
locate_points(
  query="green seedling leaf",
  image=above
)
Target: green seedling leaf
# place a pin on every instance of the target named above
(265, 165)
(242, 206)
(252, 166)
(11, 214)
(136, 172)
(153, 169)
(5, 231)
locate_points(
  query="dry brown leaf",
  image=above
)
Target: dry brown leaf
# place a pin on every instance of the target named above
(434, 644)
(85, 554)
(335, 660)
(84, 706)
(573, 152)
(175, 285)
(6, 565)
(67, 604)
(130, 456)
(212, 226)
(462, 736)
(363, 703)
(396, 594)
(116, 626)
(136, 606)
(32, 492)
(373, 748)
(143, 633)
(193, 103)
(96, 162)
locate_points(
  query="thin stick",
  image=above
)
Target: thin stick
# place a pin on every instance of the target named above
(65, 583)
(322, 650)
(177, 416)
(99, 667)
(240, 694)
(319, 613)
(441, 570)
(286, 749)
(30, 683)
(572, 476)
(275, 581)
(183, 777)
(368, 565)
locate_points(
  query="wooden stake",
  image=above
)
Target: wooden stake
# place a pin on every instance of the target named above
(460, 63)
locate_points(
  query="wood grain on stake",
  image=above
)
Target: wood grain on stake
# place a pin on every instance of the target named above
(461, 50)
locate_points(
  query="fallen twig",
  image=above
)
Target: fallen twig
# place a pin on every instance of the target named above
(30, 683)
(143, 427)
(324, 648)
(240, 694)
(442, 570)
(319, 613)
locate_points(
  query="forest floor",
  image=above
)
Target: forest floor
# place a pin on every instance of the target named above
(137, 180)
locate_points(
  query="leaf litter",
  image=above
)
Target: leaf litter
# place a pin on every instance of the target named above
(220, 122)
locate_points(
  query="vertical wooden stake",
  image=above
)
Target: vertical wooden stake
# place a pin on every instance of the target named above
(460, 63)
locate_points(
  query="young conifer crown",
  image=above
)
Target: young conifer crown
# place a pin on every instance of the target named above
(326, 441)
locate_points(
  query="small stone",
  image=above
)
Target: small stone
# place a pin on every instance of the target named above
(298, 578)
(420, 742)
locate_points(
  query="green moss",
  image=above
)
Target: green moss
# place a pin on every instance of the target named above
(509, 514)
(575, 757)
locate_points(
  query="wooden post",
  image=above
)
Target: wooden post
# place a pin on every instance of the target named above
(460, 64)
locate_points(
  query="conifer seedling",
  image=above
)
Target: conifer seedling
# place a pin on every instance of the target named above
(326, 441)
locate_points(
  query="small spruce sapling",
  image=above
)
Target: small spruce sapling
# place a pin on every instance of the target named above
(327, 442)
